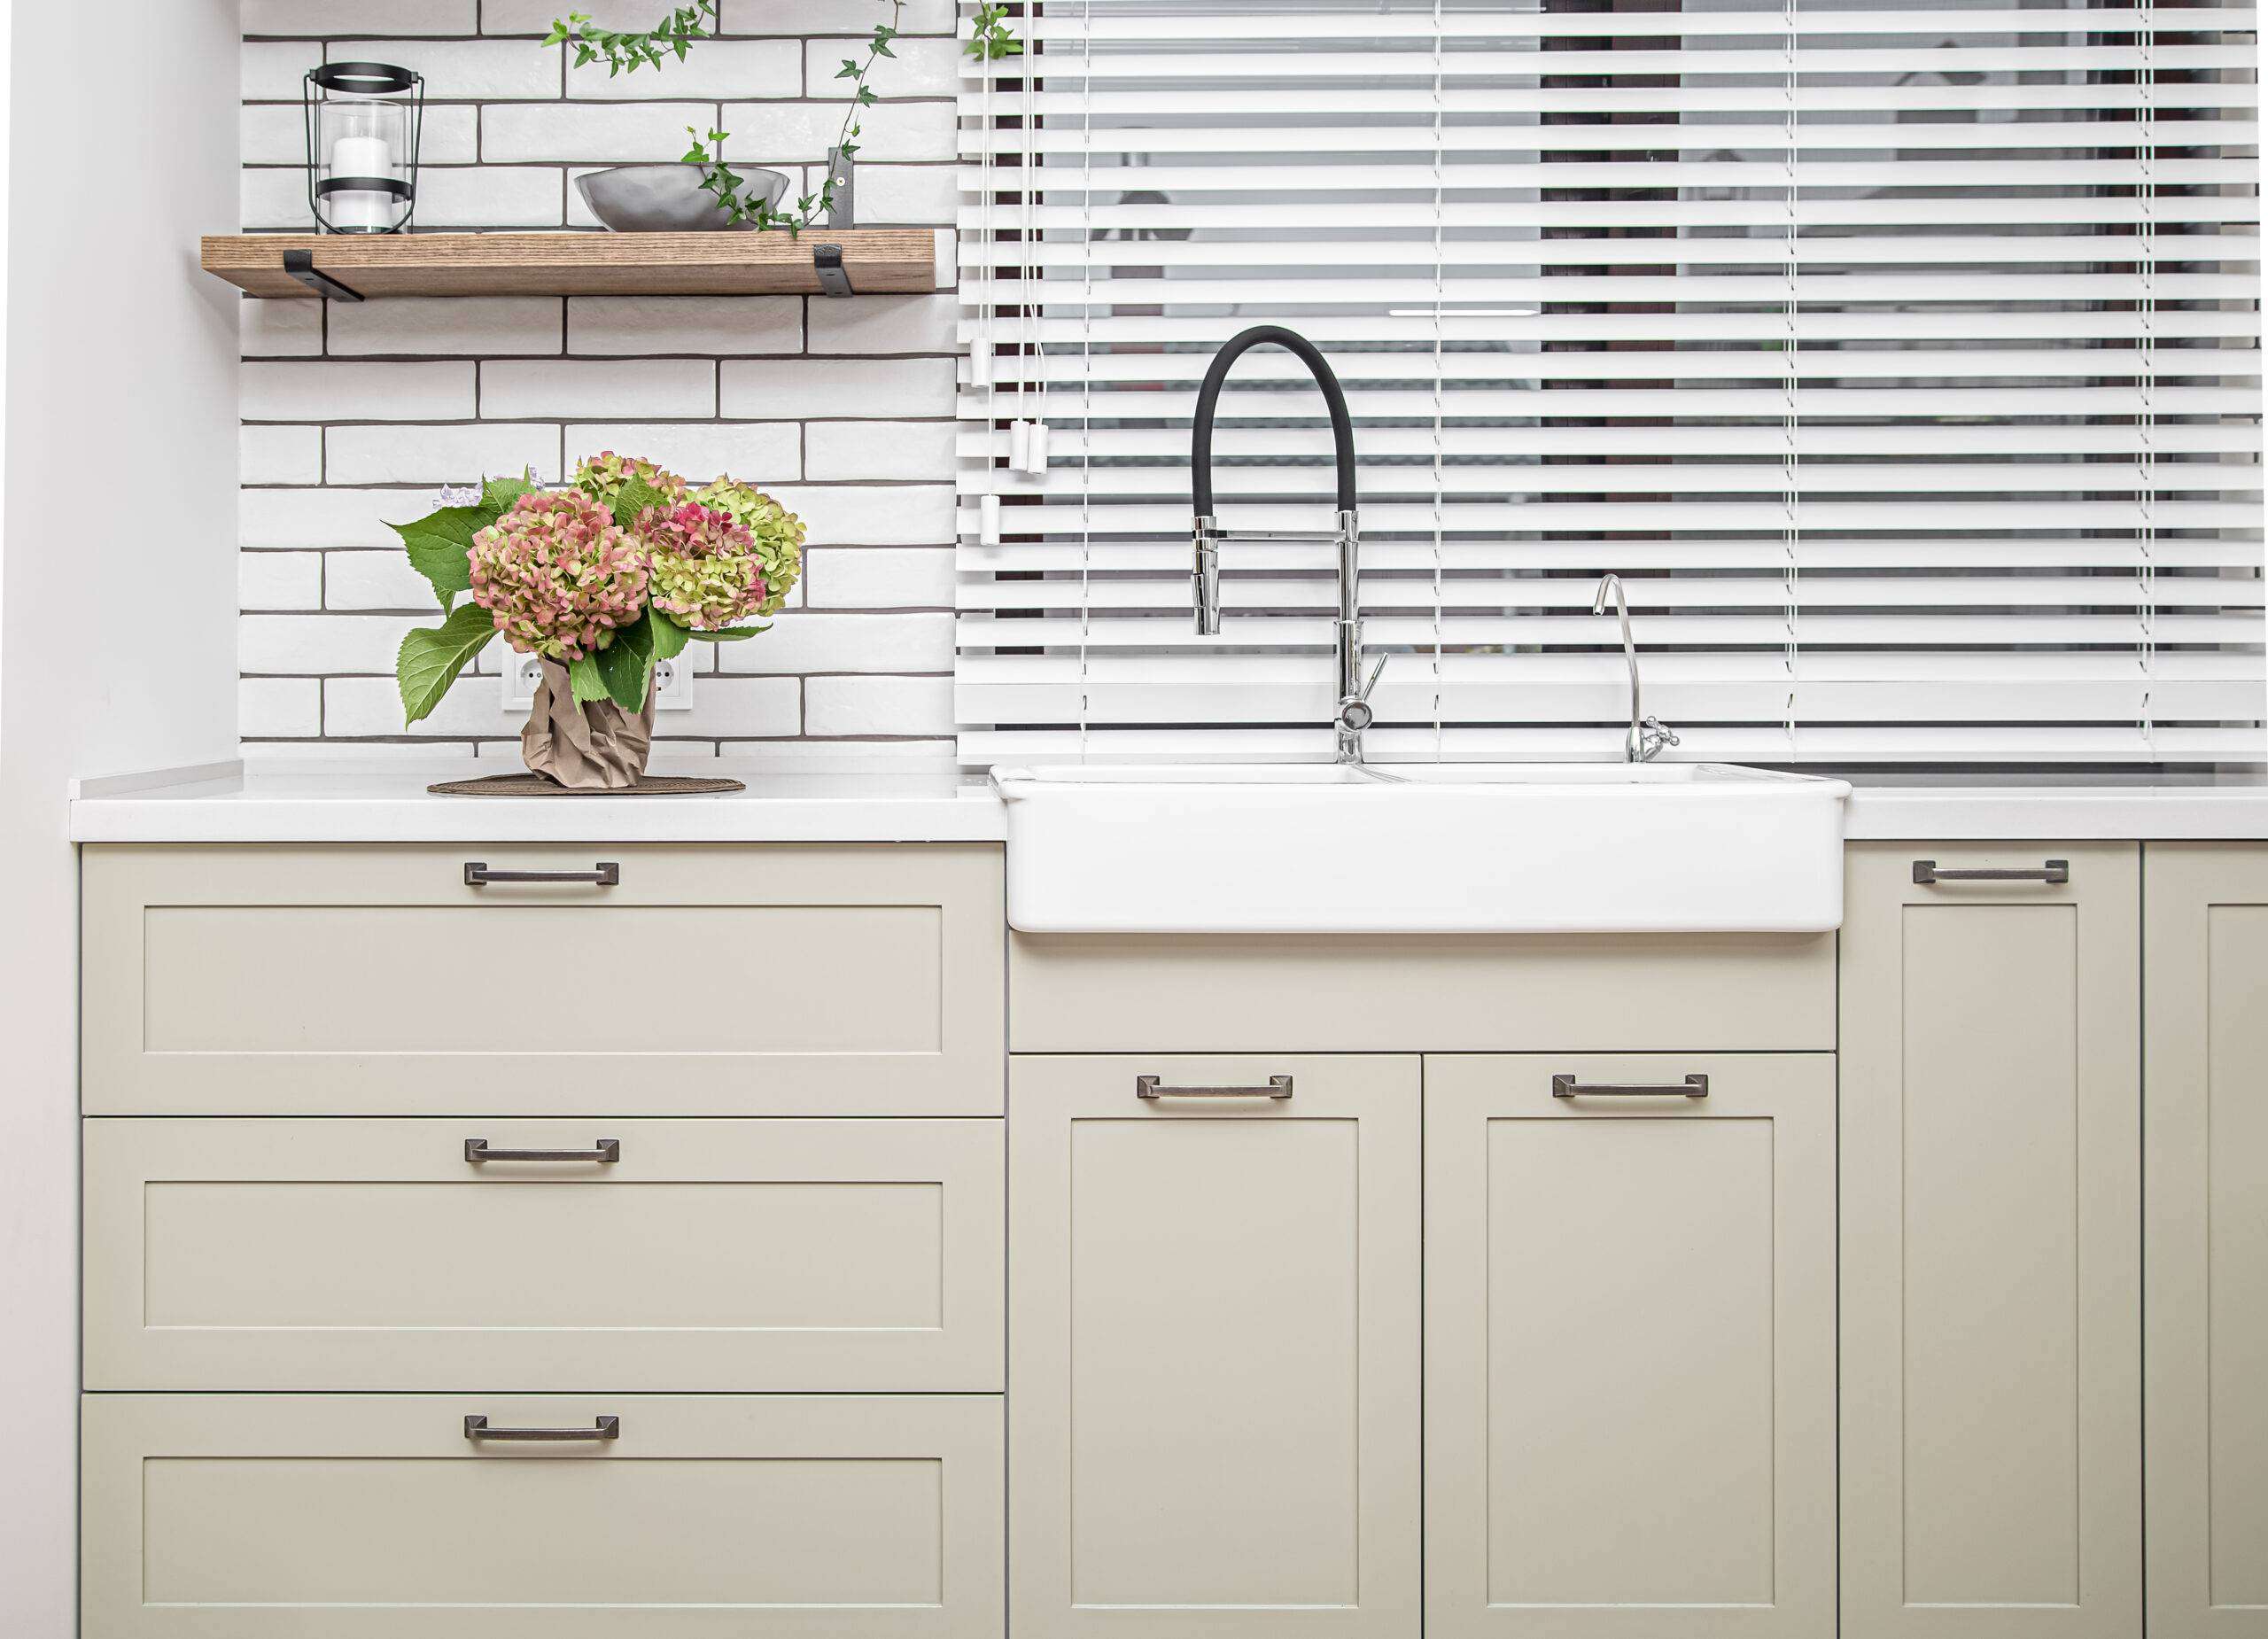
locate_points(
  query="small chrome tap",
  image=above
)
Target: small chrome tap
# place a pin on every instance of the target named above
(1647, 735)
(1353, 714)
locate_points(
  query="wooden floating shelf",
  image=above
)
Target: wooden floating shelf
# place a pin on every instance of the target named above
(353, 267)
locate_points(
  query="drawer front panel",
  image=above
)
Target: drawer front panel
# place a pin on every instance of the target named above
(703, 981)
(719, 1256)
(350, 1516)
(1470, 993)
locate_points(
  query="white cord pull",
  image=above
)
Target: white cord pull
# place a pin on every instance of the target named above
(979, 363)
(988, 520)
(1036, 465)
(1020, 446)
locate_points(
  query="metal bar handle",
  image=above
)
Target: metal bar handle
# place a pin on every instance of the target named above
(477, 1150)
(605, 873)
(1150, 1087)
(2054, 871)
(1569, 1087)
(477, 1428)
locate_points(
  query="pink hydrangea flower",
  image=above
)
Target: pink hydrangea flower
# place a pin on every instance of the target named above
(705, 572)
(557, 576)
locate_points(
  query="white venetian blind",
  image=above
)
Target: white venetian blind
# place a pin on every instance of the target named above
(1904, 360)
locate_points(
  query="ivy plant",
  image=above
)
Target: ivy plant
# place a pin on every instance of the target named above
(625, 52)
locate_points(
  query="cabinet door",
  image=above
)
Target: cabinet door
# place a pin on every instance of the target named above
(1214, 1347)
(1629, 1347)
(2205, 1229)
(1992, 1245)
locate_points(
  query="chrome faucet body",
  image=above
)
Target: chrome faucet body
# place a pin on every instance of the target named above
(1353, 714)
(1647, 737)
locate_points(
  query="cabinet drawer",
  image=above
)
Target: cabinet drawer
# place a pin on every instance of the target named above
(371, 1517)
(1630, 1346)
(710, 980)
(753, 1255)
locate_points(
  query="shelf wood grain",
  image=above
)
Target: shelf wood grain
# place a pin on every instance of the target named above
(878, 261)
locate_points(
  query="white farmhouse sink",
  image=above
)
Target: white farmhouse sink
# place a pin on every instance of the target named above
(1490, 847)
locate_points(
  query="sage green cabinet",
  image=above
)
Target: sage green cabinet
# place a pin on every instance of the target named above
(1992, 1245)
(2205, 1235)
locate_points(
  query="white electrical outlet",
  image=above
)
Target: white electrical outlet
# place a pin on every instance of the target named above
(672, 683)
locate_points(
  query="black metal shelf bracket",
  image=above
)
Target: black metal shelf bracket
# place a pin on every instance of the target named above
(301, 265)
(834, 279)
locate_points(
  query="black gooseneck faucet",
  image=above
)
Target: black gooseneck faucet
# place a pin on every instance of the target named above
(1354, 714)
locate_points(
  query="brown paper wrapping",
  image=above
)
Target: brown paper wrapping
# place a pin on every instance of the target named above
(597, 747)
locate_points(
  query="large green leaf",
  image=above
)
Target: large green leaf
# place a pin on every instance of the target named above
(627, 663)
(670, 638)
(634, 498)
(726, 634)
(430, 657)
(498, 494)
(589, 685)
(439, 546)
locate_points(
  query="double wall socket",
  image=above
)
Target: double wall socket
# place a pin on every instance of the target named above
(672, 683)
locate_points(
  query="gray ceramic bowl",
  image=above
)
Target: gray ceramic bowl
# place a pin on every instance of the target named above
(669, 198)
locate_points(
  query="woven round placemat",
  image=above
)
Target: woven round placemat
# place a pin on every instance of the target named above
(536, 784)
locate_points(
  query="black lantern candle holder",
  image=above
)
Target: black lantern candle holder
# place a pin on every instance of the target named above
(364, 121)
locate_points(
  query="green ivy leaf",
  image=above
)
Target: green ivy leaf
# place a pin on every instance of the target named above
(670, 638)
(439, 545)
(626, 664)
(430, 657)
(726, 634)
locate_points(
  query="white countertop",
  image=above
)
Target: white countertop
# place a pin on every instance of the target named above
(897, 799)
(879, 799)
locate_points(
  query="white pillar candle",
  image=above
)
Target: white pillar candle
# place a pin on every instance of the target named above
(361, 207)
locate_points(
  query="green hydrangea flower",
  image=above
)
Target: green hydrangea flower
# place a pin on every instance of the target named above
(775, 534)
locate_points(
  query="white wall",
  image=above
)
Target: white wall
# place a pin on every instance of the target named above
(116, 613)
(844, 409)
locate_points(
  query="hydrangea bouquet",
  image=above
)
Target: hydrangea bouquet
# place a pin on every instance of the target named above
(599, 580)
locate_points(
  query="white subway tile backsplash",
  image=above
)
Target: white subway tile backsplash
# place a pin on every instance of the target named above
(591, 133)
(896, 515)
(715, 69)
(712, 325)
(279, 581)
(779, 133)
(877, 449)
(817, 387)
(469, 70)
(315, 645)
(476, 326)
(878, 578)
(277, 520)
(917, 67)
(380, 579)
(837, 707)
(756, 452)
(827, 17)
(623, 389)
(404, 454)
(269, 708)
(321, 17)
(279, 455)
(279, 328)
(886, 324)
(327, 390)
(812, 642)
(356, 415)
